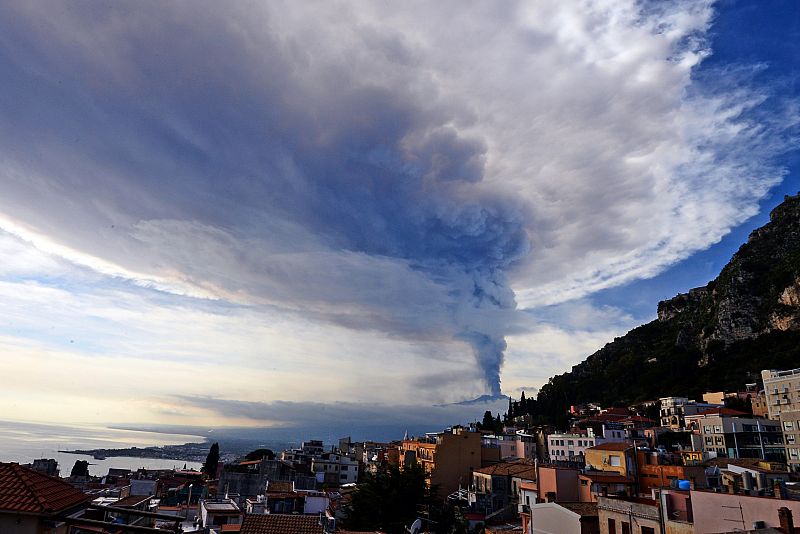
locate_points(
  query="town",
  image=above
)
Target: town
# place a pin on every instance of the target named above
(728, 462)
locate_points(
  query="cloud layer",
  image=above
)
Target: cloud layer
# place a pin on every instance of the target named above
(354, 168)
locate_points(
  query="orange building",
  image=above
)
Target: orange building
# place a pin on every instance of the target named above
(448, 457)
(658, 471)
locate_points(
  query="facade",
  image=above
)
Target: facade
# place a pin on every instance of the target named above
(563, 518)
(782, 391)
(618, 457)
(723, 512)
(493, 487)
(219, 512)
(628, 516)
(449, 457)
(724, 433)
(675, 409)
(596, 484)
(660, 470)
(557, 483)
(334, 469)
(572, 446)
(790, 425)
(758, 404)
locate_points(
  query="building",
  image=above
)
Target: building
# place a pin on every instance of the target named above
(675, 409)
(557, 483)
(34, 503)
(562, 518)
(572, 446)
(219, 512)
(758, 404)
(618, 457)
(448, 457)
(335, 469)
(283, 524)
(722, 512)
(659, 470)
(782, 391)
(596, 484)
(790, 426)
(726, 432)
(628, 515)
(493, 486)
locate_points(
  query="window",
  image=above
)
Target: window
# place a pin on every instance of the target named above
(626, 528)
(612, 526)
(614, 461)
(793, 454)
(707, 429)
(717, 429)
(788, 425)
(648, 530)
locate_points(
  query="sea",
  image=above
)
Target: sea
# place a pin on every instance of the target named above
(24, 442)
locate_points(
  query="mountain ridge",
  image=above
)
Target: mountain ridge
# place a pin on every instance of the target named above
(746, 319)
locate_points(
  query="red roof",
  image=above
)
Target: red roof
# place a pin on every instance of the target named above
(281, 524)
(508, 469)
(27, 491)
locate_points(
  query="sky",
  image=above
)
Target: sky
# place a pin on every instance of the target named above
(351, 214)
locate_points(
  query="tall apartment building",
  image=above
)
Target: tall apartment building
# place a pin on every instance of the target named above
(449, 457)
(732, 434)
(782, 389)
(790, 425)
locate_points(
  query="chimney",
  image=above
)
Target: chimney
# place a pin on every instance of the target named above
(785, 518)
(778, 489)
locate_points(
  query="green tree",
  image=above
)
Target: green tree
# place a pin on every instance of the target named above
(488, 421)
(389, 500)
(80, 469)
(212, 461)
(260, 454)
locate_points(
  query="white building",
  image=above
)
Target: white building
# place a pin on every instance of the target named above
(335, 468)
(572, 446)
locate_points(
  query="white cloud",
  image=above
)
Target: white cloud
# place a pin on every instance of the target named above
(347, 190)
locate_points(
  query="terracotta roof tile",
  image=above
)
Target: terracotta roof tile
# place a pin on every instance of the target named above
(585, 509)
(281, 524)
(28, 491)
(508, 469)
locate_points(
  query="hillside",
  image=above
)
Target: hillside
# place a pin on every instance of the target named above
(713, 337)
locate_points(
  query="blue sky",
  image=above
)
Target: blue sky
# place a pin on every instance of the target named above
(238, 215)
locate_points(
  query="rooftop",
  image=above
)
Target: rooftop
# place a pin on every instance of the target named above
(132, 500)
(508, 469)
(583, 509)
(725, 412)
(606, 477)
(281, 524)
(27, 491)
(613, 446)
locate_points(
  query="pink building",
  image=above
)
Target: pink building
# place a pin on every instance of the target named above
(724, 512)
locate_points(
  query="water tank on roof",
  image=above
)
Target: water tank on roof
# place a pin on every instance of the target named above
(684, 485)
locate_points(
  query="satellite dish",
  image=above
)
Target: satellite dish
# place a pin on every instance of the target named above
(415, 527)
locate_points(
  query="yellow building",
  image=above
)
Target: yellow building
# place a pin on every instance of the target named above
(448, 457)
(616, 457)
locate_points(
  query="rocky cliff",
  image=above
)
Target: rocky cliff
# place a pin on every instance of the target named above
(715, 336)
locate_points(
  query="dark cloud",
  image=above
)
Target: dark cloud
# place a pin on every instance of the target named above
(302, 420)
